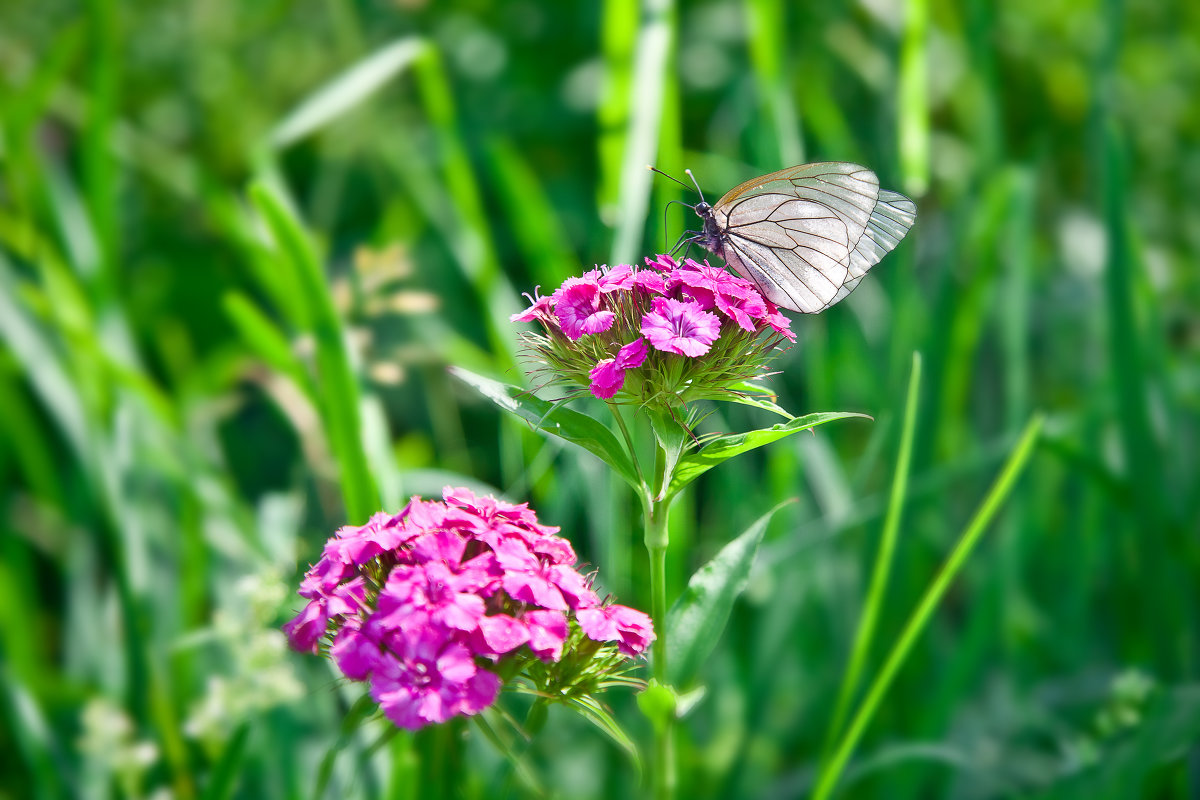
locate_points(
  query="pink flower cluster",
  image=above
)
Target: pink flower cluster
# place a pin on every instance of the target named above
(671, 308)
(427, 605)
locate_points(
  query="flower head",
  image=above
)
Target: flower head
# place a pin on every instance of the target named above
(436, 606)
(687, 330)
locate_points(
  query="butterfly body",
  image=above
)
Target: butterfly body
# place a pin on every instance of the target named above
(806, 235)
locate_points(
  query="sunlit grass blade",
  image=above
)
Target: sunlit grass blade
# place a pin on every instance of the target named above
(482, 266)
(864, 636)
(650, 74)
(769, 41)
(914, 99)
(920, 617)
(33, 738)
(223, 780)
(516, 758)
(354, 86)
(536, 224)
(336, 380)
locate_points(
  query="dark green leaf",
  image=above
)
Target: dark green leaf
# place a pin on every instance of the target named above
(697, 619)
(693, 465)
(672, 436)
(557, 420)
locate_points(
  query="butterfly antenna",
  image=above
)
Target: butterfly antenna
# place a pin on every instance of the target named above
(672, 177)
(695, 183)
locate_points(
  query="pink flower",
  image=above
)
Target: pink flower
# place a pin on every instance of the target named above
(355, 653)
(630, 628)
(608, 376)
(308, 627)
(465, 591)
(358, 545)
(649, 281)
(714, 287)
(618, 278)
(680, 327)
(779, 323)
(579, 306)
(431, 679)
(540, 309)
(547, 632)
(501, 634)
(663, 262)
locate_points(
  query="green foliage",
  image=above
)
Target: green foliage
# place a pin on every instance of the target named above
(698, 617)
(240, 244)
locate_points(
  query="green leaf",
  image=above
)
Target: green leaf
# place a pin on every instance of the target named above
(756, 395)
(593, 712)
(354, 86)
(672, 436)
(558, 420)
(225, 773)
(693, 465)
(697, 619)
(263, 337)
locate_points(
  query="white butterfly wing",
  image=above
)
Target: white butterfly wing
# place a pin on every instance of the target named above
(806, 236)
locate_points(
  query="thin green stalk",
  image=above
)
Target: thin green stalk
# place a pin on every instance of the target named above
(924, 611)
(615, 408)
(663, 766)
(883, 561)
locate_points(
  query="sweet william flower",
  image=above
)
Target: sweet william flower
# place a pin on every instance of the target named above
(580, 308)
(435, 607)
(608, 376)
(630, 628)
(665, 335)
(675, 326)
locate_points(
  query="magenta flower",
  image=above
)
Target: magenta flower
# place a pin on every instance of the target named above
(618, 278)
(547, 633)
(680, 327)
(580, 309)
(432, 605)
(630, 628)
(608, 376)
(716, 288)
(431, 679)
(662, 262)
(541, 309)
(647, 315)
(779, 323)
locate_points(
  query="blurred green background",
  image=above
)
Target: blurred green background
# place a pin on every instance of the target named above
(189, 405)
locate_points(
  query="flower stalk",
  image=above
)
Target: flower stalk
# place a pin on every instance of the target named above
(657, 539)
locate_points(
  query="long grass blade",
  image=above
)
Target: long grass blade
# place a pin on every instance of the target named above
(864, 637)
(924, 610)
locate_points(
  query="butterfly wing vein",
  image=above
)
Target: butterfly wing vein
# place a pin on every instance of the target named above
(806, 236)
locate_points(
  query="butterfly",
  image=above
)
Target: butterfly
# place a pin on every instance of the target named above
(804, 236)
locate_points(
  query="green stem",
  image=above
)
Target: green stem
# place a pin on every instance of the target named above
(616, 412)
(929, 602)
(883, 563)
(657, 537)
